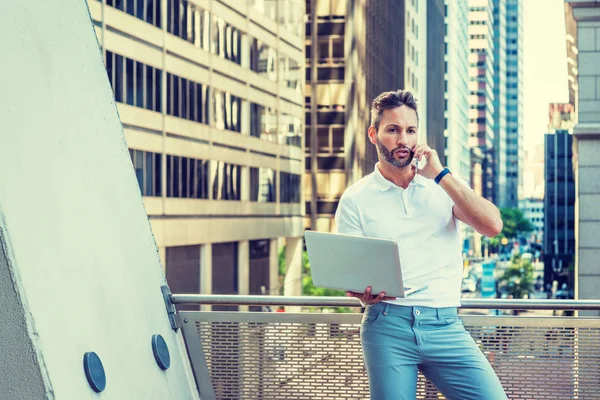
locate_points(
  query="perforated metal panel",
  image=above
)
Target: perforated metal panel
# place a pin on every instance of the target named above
(318, 356)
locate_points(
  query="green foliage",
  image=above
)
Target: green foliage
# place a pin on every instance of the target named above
(308, 289)
(518, 277)
(514, 224)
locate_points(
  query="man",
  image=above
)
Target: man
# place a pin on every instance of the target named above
(418, 208)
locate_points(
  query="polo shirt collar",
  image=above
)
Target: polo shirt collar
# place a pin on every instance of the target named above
(384, 184)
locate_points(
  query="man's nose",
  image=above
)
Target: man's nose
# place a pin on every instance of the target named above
(402, 140)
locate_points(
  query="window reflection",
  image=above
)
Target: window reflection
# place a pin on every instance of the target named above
(146, 10)
(226, 180)
(186, 99)
(187, 177)
(262, 60)
(128, 79)
(208, 32)
(289, 188)
(291, 16)
(227, 111)
(266, 7)
(263, 122)
(147, 166)
(290, 73)
(262, 185)
(290, 130)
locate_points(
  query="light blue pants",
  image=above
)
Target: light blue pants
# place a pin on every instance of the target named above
(399, 340)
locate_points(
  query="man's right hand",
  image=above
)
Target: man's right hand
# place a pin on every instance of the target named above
(366, 298)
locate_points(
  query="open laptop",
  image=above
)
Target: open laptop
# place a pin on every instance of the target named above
(354, 262)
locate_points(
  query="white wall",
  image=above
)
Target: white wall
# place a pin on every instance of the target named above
(83, 264)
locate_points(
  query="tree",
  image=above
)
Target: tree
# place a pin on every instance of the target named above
(514, 222)
(517, 280)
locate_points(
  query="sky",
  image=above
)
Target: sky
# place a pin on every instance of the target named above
(544, 64)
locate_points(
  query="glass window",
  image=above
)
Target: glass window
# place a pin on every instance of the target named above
(263, 122)
(129, 81)
(147, 167)
(337, 139)
(262, 185)
(118, 87)
(110, 68)
(290, 130)
(139, 84)
(187, 177)
(289, 187)
(149, 100)
(226, 180)
(142, 9)
(290, 73)
(266, 7)
(262, 60)
(337, 47)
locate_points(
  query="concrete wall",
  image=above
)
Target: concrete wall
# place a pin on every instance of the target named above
(79, 269)
(587, 148)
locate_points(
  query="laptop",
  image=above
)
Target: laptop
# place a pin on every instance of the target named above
(354, 262)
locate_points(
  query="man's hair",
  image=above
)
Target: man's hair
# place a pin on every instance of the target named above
(389, 100)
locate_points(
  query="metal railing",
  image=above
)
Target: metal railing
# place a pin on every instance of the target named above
(271, 355)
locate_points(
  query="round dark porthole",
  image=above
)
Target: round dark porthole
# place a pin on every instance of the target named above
(161, 352)
(94, 371)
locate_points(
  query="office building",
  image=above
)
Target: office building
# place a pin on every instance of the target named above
(456, 89)
(481, 89)
(500, 105)
(211, 99)
(559, 200)
(364, 48)
(533, 211)
(514, 104)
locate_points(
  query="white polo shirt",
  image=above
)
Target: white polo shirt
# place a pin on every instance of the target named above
(419, 218)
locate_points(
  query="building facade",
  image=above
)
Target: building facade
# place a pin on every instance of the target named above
(435, 103)
(481, 89)
(514, 103)
(211, 99)
(364, 48)
(559, 209)
(583, 51)
(456, 85)
(533, 211)
(500, 106)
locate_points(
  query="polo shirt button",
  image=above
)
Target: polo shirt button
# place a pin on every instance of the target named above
(418, 312)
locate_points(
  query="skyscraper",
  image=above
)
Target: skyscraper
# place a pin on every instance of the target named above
(436, 69)
(456, 88)
(481, 86)
(364, 48)
(211, 100)
(559, 200)
(500, 77)
(514, 102)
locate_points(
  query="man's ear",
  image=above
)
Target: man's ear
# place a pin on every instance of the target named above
(372, 134)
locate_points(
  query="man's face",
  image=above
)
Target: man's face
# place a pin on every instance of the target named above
(396, 137)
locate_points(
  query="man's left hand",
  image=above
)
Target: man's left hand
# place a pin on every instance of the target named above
(433, 166)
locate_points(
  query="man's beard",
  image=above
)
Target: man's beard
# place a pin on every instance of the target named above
(388, 155)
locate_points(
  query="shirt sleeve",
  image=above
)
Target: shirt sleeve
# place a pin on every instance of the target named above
(347, 218)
